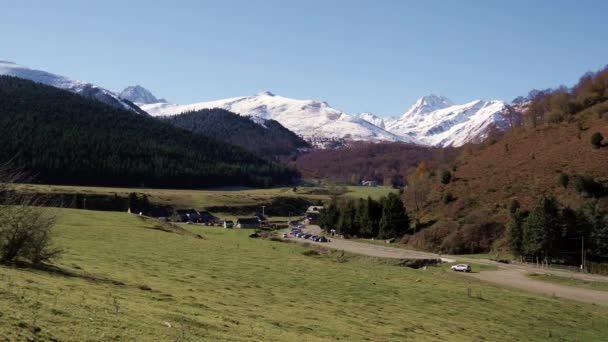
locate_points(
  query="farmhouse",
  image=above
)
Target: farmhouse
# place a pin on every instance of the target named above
(248, 223)
(312, 214)
(188, 215)
(207, 217)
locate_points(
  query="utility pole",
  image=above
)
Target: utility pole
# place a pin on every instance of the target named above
(582, 253)
(263, 210)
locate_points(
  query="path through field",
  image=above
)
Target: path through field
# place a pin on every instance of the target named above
(513, 275)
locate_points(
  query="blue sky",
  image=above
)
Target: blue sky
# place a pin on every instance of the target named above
(376, 56)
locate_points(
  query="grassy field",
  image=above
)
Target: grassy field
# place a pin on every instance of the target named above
(365, 191)
(200, 199)
(121, 279)
(594, 285)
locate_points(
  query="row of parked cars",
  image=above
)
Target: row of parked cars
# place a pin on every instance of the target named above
(297, 232)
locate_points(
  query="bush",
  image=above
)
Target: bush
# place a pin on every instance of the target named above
(25, 227)
(564, 180)
(448, 198)
(596, 139)
(586, 184)
(25, 233)
(446, 177)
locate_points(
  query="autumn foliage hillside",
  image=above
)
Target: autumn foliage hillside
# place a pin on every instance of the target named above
(551, 154)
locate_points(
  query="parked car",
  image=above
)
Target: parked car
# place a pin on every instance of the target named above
(461, 268)
(228, 224)
(322, 239)
(313, 238)
(285, 235)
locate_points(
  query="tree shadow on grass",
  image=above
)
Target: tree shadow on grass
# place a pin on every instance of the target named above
(58, 271)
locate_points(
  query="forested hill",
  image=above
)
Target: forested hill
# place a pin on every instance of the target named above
(271, 140)
(64, 138)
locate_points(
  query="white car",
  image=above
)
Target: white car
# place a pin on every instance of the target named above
(461, 268)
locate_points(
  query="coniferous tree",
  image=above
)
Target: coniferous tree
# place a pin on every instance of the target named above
(394, 221)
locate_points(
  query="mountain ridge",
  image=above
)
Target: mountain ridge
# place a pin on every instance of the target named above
(82, 88)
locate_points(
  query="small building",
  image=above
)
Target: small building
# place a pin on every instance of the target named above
(263, 220)
(159, 213)
(248, 223)
(312, 214)
(369, 183)
(207, 217)
(188, 215)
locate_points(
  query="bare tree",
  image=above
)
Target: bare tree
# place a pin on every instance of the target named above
(25, 225)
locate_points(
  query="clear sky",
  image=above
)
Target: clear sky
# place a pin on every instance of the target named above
(376, 56)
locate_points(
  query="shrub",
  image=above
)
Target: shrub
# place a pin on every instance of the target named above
(25, 228)
(446, 177)
(564, 180)
(448, 198)
(25, 233)
(596, 139)
(514, 206)
(586, 184)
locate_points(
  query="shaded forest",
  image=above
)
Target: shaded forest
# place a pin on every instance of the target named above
(63, 138)
(270, 141)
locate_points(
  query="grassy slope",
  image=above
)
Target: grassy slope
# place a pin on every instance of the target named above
(200, 199)
(230, 287)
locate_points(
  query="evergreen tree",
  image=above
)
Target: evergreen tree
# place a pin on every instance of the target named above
(542, 230)
(446, 177)
(394, 221)
(516, 233)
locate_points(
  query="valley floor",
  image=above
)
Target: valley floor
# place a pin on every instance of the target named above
(513, 275)
(123, 279)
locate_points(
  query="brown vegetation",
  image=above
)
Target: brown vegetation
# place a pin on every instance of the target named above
(386, 162)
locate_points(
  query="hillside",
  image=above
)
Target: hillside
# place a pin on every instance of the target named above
(550, 154)
(386, 163)
(63, 138)
(124, 278)
(268, 139)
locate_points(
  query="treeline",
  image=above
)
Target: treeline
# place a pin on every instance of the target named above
(550, 233)
(366, 218)
(561, 104)
(271, 140)
(386, 162)
(63, 138)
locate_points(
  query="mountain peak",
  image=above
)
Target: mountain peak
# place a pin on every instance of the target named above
(427, 104)
(265, 93)
(139, 94)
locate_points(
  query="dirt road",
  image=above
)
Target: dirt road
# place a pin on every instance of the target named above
(519, 279)
(513, 275)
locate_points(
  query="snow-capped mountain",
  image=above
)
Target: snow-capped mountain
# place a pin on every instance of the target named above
(372, 118)
(78, 87)
(435, 120)
(139, 95)
(306, 118)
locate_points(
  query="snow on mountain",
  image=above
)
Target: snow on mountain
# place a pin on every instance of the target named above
(434, 120)
(306, 118)
(428, 104)
(372, 118)
(74, 86)
(139, 95)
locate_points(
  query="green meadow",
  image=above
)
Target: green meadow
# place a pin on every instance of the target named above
(123, 277)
